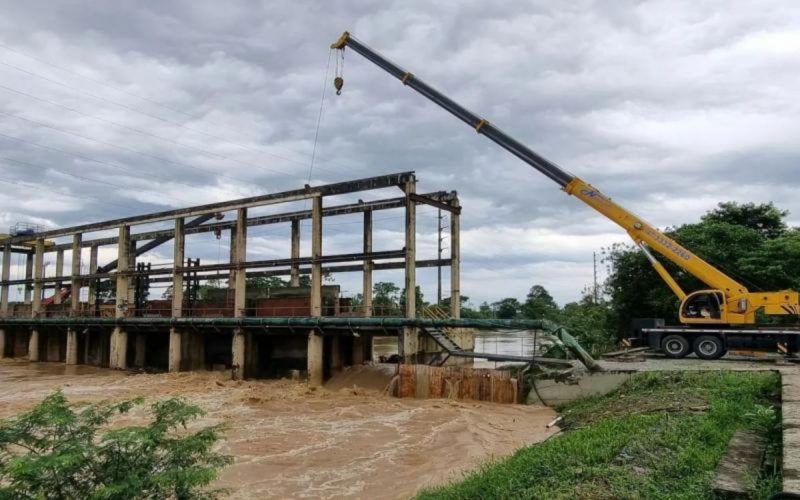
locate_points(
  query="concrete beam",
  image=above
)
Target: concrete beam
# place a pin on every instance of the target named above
(370, 183)
(416, 198)
(332, 211)
(350, 268)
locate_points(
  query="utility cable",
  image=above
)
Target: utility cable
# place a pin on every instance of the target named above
(94, 160)
(117, 146)
(135, 110)
(144, 132)
(319, 116)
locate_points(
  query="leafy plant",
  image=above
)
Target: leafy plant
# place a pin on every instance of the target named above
(56, 451)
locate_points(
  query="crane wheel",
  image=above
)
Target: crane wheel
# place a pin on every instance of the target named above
(709, 347)
(675, 346)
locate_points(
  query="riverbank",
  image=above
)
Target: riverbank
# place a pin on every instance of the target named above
(659, 435)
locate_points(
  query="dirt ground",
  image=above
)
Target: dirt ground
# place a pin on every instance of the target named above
(293, 442)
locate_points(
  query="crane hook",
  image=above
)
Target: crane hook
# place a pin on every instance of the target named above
(338, 82)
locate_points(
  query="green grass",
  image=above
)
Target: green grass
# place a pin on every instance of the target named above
(659, 436)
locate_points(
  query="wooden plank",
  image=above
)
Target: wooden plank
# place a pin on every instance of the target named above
(742, 460)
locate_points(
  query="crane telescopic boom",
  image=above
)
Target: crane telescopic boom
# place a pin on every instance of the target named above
(730, 301)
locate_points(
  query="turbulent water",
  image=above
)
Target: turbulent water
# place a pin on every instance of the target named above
(290, 441)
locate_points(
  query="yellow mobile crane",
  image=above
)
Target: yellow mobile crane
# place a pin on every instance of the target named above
(711, 313)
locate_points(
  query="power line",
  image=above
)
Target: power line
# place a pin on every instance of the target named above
(143, 132)
(124, 106)
(117, 146)
(118, 186)
(94, 160)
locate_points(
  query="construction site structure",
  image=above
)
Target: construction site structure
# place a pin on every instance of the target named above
(105, 316)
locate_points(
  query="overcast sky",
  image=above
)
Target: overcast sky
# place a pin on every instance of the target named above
(110, 109)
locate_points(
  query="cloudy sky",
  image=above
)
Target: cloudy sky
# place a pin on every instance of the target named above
(110, 109)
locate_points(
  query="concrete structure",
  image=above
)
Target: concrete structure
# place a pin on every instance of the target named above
(250, 352)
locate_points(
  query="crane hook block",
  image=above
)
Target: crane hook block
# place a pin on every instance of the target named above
(338, 82)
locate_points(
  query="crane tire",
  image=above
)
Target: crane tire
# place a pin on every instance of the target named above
(675, 346)
(709, 347)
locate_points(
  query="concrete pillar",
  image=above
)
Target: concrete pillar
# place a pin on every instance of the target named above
(176, 335)
(75, 300)
(367, 341)
(294, 279)
(315, 341)
(366, 290)
(336, 353)
(410, 342)
(118, 357)
(91, 301)
(232, 273)
(239, 248)
(59, 272)
(358, 350)
(38, 275)
(28, 275)
(36, 300)
(72, 347)
(455, 263)
(140, 351)
(5, 274)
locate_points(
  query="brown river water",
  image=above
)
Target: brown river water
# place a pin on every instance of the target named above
(290, 441)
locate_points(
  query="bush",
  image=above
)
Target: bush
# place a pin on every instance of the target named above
(55, 451)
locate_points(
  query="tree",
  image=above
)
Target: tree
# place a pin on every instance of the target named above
(507, 308)
(54, 451)
(764, 218)
(420, 300)
(748, 242)
(386, 297)
(591, 323)
(539, 304)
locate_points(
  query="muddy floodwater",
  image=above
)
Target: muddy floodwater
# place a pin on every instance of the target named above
(290, 441)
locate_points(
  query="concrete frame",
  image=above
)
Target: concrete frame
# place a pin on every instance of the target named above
(242, 348)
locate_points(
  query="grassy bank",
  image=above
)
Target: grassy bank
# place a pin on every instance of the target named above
(657, 436)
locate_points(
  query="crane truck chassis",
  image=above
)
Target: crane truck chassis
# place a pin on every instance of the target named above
(710, 343)
(713, 320)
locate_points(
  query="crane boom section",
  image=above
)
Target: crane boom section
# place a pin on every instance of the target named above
(641, 231)
(637, 228)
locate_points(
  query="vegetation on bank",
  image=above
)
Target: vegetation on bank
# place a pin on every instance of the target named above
(660, 435)
(58, 451)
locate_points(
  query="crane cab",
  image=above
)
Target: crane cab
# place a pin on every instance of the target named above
(704, 307)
